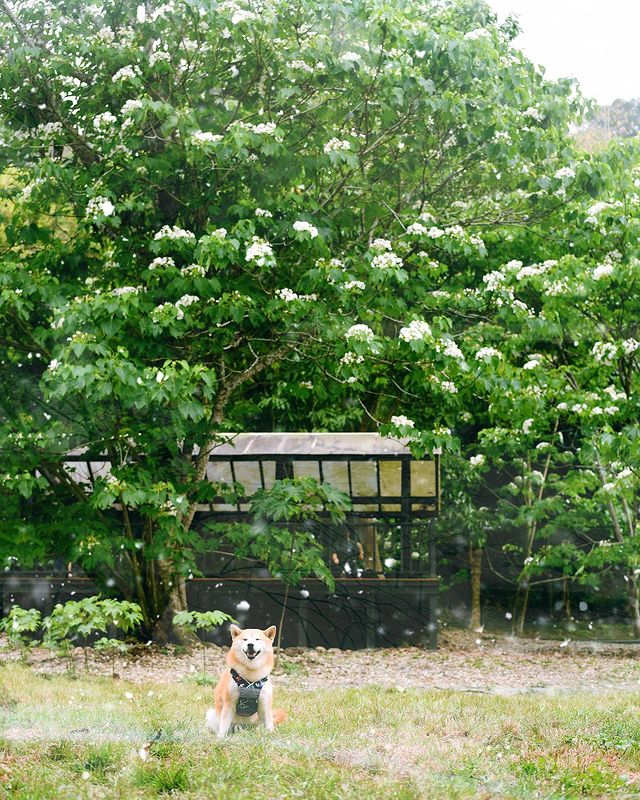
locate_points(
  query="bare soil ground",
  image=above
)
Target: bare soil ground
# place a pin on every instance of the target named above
(464, 661)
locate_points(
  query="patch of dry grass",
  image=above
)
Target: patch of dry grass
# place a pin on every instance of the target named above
(80, 737)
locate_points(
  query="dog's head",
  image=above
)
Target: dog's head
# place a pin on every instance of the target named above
(252, 646)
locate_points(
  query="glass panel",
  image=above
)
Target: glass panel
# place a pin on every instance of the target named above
(418, 507)
(391, 483)
(78, 470)
(390, 478)
(220, 472)
(306, 469)
(423, 478)
(268, 473)
(336, 473)
(366, 507)
(364, 480)
(248, 474)
(100, 469)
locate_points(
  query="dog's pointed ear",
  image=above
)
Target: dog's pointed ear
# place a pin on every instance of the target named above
(234, 630)
(270, 633)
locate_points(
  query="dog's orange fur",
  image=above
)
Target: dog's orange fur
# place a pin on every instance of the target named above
(225, 692)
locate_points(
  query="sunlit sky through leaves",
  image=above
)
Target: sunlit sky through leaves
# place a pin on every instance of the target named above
(595, 41)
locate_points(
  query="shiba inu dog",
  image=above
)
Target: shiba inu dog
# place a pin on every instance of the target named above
(244, 692)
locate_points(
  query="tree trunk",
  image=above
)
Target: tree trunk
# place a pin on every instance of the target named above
(475, 564)
(281, 626)
(634, 604)
(566, 600)
(519, 619)
(164, 631)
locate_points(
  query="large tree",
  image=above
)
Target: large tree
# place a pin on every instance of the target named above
(217, 210)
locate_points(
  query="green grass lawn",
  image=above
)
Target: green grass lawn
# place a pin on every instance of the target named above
(62, 737)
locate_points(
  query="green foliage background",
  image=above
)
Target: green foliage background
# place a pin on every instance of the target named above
(235, 216)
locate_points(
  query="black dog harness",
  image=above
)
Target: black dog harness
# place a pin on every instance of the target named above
(249, 694)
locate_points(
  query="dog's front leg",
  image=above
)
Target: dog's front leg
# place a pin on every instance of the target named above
(212, 720)
(226, 717)
(265, 711)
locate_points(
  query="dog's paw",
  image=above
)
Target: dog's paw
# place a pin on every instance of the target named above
(211, 722)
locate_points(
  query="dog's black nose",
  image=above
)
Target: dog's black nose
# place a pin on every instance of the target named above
(250, 647)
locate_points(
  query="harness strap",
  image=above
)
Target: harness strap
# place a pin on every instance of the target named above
(243, 682)
(248, 694)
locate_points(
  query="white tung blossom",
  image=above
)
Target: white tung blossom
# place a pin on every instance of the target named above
(349, 285)
(401, 421)
(533, 113)
(130, 106)
(381, 244)
(104, 120)
(360, 332)
(493, 280)
(530, 271)
(262, 212)
(565, 173)
(336, 145)
(302, 225)
(603, 271)
(288, 295)
(478, 33)
(613, 393)
(417, 229)
(556, 288)
(174, 233)
(262, 128)
(99, 206)
(193, 270)
(242, 15)
(386, 260)
(604, 352)
(159, 55)
(206, 137)
(301, 65)
(629, 346)
(187, 300)
(487, 353)
(526, 425)
(477, 461)
(162, 261)
(450, 348)
(415, 331)
(597, 208)
(127, 73)
(350, 358)
(259, 251)
(441, 430)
